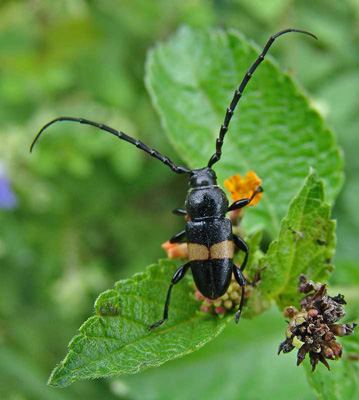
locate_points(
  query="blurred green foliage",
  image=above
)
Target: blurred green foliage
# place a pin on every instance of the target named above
(86, 206)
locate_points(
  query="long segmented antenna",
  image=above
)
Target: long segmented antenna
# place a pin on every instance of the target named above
(120, 135)
(238, 93)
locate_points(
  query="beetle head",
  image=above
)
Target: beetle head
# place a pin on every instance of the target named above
(202, 177)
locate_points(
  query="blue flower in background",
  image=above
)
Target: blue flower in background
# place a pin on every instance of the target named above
(8, 199)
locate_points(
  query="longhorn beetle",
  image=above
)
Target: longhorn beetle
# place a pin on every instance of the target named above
(208, 233)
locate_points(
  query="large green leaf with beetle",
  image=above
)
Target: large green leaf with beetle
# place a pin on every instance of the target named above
(191, 78)
(274, 131)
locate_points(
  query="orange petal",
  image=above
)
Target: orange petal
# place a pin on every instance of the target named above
(243, 188)
(175, 250)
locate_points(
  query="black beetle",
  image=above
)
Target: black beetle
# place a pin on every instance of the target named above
(209, 235)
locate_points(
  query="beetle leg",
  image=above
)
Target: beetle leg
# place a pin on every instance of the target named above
(237, 205)
(180, 211)
(242, 283)
(178, 237)
(242, 245)
(178, 275)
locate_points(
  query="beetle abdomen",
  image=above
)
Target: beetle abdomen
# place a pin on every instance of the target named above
(210, 251)
(212, 277)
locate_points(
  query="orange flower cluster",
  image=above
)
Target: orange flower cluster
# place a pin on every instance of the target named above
(241, 188)
(175, 250)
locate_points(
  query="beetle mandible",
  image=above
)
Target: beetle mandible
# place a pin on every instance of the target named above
(208, 232)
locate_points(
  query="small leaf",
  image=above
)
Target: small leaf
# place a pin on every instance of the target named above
(305, 245)
(342, 382)
(253, 242)
(255, 303)
(191, 79)
(116, 340)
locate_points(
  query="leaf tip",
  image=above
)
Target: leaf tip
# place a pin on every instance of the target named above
(57, 379)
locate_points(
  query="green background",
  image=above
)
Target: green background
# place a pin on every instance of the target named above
(92, 211)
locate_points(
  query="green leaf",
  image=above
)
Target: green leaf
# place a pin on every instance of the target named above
(241, 364)
(116, 340)
(192, 78)
(342, 381)
(305, 245)
(255, 303)
(253, 241)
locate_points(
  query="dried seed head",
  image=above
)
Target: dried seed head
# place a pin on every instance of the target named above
(312, 329)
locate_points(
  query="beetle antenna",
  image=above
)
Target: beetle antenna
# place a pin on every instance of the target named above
(120, 135)
(238, 93)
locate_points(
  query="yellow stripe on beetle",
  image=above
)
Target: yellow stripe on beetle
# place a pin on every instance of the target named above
(200, 252)
(223, 249)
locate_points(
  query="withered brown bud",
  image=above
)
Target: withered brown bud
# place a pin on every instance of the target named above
(305, 285)
(309, 340)
(289, 312)
(327, 352)
(337, 348)
(342, 329)
(313, 313)
(339, 299)
(301, 353)
(316, 347)
(312, 329)
(329, 336)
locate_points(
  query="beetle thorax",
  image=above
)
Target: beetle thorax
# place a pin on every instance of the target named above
(206, 202)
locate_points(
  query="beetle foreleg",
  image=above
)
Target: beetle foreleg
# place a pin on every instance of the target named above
(178, 275)
(180, 211)
(242, 245)
(237, 205)
(178, 237)
(242, 283)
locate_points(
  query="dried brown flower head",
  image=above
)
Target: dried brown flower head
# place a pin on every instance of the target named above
(312, 329)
